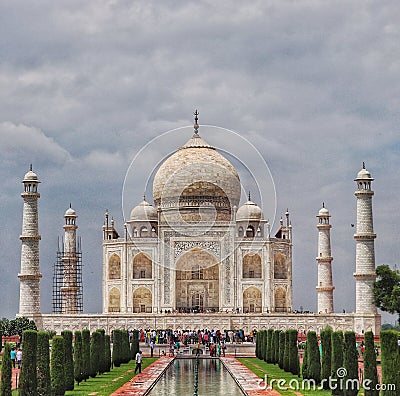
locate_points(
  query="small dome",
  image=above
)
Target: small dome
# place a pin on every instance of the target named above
(364, 174)
(30, 176)
(323, 212)
(70, 212)
(144, 212)
(249, 211)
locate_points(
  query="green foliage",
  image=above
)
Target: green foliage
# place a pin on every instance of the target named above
(43, 364)
(95, 354)
(286, 361)
(135, 344)
(276, 346)
(270, 334)
(6, 372)
(272, 352)
(370, 371)
(16, 326)
(1, 339)
(57, 373)
(326, 359)
(117, 348)
(281, 349)
(28, 378)
(126, 350)
(52, 333)
(304, 367)
(107, 353)
(390, 361)
(68, 360)
(294, 363)
(350, 363)
(78, 358)
(337, 360)
(85, 353)
(257, 353)
(262, 344)
(313, 357)
(387, 290)
(265, 350)
(102, 363)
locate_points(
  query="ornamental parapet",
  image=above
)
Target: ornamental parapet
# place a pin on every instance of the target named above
(328, 258)
(30, 237)
(364, 236)
(30, 276)
(370, 275)
(325, 288)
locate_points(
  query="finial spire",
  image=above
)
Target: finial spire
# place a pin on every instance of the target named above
(363, 165)
(30, 167)
(144, 197)
(70, 206)
(323, 204)
(196, 124)
(249, 196)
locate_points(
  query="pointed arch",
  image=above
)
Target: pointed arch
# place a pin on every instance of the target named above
(280, 300)
(114, 267)
(114, 300)
(252, 266)
(252, 300)
(280, 267)
(142, 300)
(142, 266)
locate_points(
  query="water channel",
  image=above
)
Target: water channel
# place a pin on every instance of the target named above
(213, 379)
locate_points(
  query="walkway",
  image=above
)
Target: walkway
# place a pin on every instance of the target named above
(248, 381)
(142, 382)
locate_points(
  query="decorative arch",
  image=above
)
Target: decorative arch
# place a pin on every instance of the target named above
(240, 232)
(252, 266)
(280, 267)
(114, 267)
(142, 300)
(114, 300)
(250, 231)
(144, 232)
(252, 300)
(142, 266)
(280, 300)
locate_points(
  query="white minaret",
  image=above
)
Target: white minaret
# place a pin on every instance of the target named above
(29, 277)
(365, 274)
(69, 289)
(325, 285)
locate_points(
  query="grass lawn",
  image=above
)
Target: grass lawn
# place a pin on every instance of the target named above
(260, 368)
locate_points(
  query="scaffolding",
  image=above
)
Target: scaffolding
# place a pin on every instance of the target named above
(67, 281)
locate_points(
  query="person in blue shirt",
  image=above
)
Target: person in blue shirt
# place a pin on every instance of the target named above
(13, 355)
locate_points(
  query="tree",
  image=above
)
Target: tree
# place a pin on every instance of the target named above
(107, 353)
(43, 364)
(102, 364)
(281, 349)
(6, 372)
(276, 346)
(304, 367)
(95, 354)
(57, 373)
(350, 363)
(326, 358)
(390, 361)
(78, 358)
(126, 350)
(294, 363)
(370, 371)
(28, 379)
(69, 360)
(269, 345)
(135, 344)
(85, 353)
(387, 290)
(337, 361)
(117, 345)
(20, 324)
(313, 357)
(286, 362)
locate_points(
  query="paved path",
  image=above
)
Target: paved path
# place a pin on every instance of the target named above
(139, 384)
(248, 381)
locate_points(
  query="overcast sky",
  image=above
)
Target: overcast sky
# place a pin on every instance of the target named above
(314, 85)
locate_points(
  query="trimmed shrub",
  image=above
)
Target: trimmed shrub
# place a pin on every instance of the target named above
(78, 358)
(135, 344)
(313, 357)
(126, 350)
(370, 371)
(265, 345)
(294, 363)
(337, 361)
(28, 378)
(94, 354)
(102, 364)
(6, 372)
(52, 333)
(326, 359)
(43, 364)
(276, 346)
(85, 353)
(117, 345)
(272, 352)
(390, 361)
(107, 353)
(350, 363)
(281, 349)
(304, 367)
(270, 335)
(68, 360)
(262, 344)
(286, 362)
(57, 373)
(257, 352)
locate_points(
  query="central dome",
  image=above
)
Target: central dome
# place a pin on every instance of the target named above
(197, 177)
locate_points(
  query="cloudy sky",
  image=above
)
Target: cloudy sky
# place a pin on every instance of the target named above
(314, 85)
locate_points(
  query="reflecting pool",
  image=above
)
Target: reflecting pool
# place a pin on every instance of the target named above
(214, 379)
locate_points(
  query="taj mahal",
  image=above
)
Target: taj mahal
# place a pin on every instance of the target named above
(193, 257)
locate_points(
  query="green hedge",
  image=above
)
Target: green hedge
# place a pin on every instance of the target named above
(78, 358)
(107, 353)
(102, 363)
(28, 378)
(85, 353)
(43, 364)
(294, 363)
(337, 361)
(370, 371)
(350, 363)
(281, 349)
(390, 361)
(95, 354)
(6, 371)
(326, 359)
(68, 360)
(117, 348)
(135, 344)
(57, 366)
(313, 357)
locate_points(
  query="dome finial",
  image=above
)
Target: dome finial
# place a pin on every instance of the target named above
(249, 196)
(144, 197)
(323, 204)
(30, 167)
(363, 165)
(70, 206)
(196, 119)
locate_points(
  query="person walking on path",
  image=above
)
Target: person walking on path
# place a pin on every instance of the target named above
(138, 360)
(13, 354)
(19, 358)
(151, 348)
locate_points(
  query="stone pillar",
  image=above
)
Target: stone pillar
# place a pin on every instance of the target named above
(29, 276)
(365, 274)
(69, 289)
(325, 285)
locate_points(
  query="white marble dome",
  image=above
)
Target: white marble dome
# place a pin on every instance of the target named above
(323, 212)
(364, 174)
(30, 176)
(249, 211)
(70, 212)
(144, 212)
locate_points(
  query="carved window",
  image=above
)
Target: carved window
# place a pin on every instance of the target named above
(252, 266)
(114, 267)
(280, 267)
(142, 266)
(114, 300)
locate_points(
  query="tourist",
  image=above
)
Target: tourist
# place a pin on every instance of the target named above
(19, 358)
(151, 348)
(138, 360)
(219, 350)
(13, 356)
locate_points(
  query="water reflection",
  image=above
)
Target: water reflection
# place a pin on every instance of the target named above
(214, 379)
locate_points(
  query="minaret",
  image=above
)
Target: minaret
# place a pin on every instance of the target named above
(69, 289)
(29, 277)
(365, 274)
(325, 285)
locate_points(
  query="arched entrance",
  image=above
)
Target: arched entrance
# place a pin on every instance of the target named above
(114, 300)
(197, 281)
(280, 300)
(142, 300)
(252, 300)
